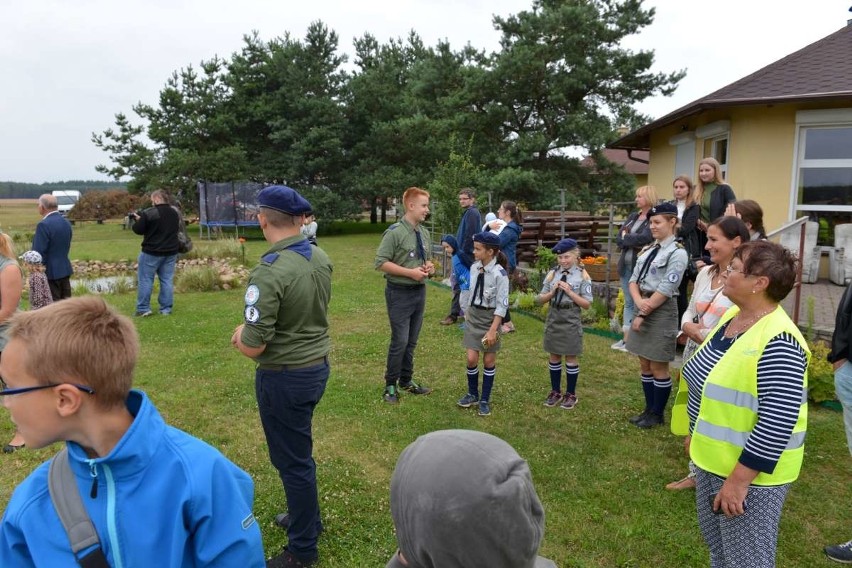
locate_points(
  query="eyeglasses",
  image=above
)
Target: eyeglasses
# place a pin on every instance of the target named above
(6, 391)
(731, 268)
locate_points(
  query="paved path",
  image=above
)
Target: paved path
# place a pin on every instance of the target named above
(826, 296)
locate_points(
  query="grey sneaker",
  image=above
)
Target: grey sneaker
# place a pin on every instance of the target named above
(484, 408)
(840, 553)
(414, 388)
(553, 399)
(569, 401)
(391, 395)
(619, 346)
(144, 314)
(468, 400)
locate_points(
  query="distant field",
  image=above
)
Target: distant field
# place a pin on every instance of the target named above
(18, 214)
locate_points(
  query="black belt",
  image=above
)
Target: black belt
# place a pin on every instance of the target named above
(279, 368)
(405, 286)
(565, 306)
(481, 307)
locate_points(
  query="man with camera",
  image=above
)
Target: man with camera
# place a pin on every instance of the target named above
(159, 226)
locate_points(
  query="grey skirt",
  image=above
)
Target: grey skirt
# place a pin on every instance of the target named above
(563, 331)
(656, 339)
(477, 323)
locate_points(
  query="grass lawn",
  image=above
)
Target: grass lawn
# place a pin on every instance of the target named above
(600, 479)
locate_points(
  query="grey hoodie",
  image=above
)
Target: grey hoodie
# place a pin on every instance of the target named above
(463, 499)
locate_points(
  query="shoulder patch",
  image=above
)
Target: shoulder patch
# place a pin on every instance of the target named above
(252, 295)
(550, 276)
(503, 271)
(252, 314)
(673, 277)
(270, 258)
(391, 228)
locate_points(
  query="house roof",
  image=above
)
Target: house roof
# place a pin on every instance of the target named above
(634, 162)
(819, 72)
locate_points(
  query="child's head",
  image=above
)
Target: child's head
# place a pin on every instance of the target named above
(78, 341)
(33, 260)
(450, 244)
(486, 245)
(490, 216)
(567, 252)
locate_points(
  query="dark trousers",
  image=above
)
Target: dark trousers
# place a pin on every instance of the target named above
(60, 288)
(286, 401)
(405, 311)
(455, 306)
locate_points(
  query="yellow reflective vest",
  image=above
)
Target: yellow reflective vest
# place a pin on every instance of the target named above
(728, 411)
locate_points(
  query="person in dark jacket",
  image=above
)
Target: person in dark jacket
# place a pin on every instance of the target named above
(508, 216)
(470, 224)
(841, 358)
(634, 234)
(159, 226)
(688, 213)
(52, 241)
(711, 192)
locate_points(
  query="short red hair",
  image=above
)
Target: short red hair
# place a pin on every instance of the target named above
(412, 193)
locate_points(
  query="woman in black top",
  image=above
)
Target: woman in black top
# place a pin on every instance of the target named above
(711, 192)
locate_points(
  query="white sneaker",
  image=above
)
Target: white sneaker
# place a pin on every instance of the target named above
(619, 346)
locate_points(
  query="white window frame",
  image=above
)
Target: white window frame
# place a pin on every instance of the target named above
(715, 132)
(815, 119)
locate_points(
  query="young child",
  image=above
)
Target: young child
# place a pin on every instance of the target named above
(491, 217)
(488, 302)
(37, 282)
(155, 495)
(461, 274)
(568, 288)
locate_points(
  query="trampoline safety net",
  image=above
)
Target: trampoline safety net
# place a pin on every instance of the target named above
(228, 204)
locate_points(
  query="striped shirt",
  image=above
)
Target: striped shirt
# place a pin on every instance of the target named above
(780, 386)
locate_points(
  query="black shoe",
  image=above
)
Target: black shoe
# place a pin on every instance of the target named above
(651, 420)
(289, 560)
(414, 388)
(10, 449)
(391, 395)
(639, 417)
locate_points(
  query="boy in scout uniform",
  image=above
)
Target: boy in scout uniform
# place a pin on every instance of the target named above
(403, 257)
(286, 334)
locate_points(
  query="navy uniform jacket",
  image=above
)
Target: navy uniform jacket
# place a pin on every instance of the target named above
(53, 241)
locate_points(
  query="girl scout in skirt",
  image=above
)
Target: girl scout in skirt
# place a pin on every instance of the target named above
(488, 302)
(568, 288)
(653, 334)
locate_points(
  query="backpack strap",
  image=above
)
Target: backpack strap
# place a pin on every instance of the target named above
(69, 506)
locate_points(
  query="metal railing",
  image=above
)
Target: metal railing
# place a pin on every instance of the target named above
(797, 298)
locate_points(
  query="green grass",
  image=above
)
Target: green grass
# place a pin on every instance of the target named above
(600, 479)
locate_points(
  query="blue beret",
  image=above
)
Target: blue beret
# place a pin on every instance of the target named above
(487, 238)
(663, 209)
(283, 199)
(564, 246)
(450, 240)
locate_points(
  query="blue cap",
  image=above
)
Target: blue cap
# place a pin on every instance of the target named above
(450, 240)
(564, 246)
(663, 209)
(487, 238)
(283, 199)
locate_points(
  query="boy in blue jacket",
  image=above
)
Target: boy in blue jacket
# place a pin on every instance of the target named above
(156, 495)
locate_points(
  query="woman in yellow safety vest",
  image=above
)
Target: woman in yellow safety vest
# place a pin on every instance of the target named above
(748, 409)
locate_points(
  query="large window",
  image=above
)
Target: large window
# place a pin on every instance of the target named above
(823, 171)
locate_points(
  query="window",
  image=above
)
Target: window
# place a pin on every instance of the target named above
(823, 170)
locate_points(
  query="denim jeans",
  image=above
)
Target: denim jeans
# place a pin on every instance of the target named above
(405, 311)
(164, 268)
(286, 402)
(629, 305)
(843, 388)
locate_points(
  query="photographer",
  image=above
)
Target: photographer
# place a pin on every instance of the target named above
(159, 226)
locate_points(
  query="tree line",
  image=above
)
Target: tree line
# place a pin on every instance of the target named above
(401, 113)
(22, 190)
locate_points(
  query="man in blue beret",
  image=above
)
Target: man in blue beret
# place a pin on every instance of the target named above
(285, 333)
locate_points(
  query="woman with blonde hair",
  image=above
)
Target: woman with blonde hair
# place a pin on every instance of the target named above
(711, 192)
(11, 286)
(633, 235)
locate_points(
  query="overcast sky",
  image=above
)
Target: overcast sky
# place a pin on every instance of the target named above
(69, 67)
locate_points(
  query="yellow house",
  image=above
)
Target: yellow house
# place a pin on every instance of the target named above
(782, 134)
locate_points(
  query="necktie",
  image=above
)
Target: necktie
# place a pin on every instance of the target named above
(480, 287)
(647, 266)
(560, 292)
(421, 252)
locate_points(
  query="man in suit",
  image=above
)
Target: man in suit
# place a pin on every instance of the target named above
(53, 241)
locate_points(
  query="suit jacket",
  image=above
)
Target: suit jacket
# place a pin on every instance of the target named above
(53, 240)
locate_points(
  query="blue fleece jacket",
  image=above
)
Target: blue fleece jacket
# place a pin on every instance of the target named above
(469, 225)
(160, 498)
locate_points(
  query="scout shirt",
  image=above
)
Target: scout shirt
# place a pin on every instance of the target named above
(495, 292)
(399, 246)
(576, 276)
(666, 270)
(286, 303)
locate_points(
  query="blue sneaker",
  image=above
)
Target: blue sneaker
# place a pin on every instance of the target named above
(468, 400)
(484, 408)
